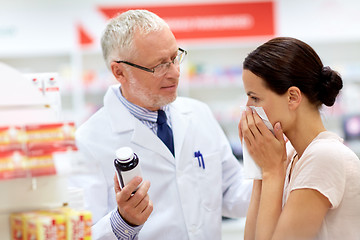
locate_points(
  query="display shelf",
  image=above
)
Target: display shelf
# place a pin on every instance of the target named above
(27, 106)
(37, 63)
(32, 193)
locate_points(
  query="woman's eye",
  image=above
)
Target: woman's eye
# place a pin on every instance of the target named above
(255, 99)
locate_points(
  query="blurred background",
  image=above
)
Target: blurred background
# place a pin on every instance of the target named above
(40, 36)
(62, 37)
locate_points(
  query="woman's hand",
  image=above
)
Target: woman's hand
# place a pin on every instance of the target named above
(268, 150)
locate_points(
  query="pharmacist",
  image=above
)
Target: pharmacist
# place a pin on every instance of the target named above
(183, 152)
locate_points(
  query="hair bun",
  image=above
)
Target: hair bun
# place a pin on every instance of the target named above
(331, 84)
(326, 72)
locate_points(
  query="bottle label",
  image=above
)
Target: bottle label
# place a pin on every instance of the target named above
(124, 177)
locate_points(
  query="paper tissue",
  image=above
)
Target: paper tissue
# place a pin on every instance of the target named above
(251, 169)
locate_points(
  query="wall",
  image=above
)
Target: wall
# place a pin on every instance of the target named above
(49, 26)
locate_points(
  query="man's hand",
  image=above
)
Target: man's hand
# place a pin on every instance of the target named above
(133, 208)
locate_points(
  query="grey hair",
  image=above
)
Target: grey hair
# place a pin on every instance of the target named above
(117, 38)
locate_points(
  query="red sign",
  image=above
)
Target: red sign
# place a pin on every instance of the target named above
(83, 37)
(215, 20)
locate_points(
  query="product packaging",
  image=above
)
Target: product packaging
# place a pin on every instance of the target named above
(56, 224)
(78, 224)
(46, 226)
(29, 150)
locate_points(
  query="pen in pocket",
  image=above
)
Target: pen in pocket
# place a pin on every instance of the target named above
(200, 159)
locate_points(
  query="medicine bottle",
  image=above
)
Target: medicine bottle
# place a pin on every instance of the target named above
(127, 166)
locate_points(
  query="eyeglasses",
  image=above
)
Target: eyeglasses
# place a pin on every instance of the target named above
(162, 68)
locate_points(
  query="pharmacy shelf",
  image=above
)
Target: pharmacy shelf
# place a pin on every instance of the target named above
(24, 194)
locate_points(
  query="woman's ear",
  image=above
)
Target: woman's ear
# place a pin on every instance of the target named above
(118, 72)
(294, 97)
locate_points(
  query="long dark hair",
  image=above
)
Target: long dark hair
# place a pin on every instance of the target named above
(284, 62)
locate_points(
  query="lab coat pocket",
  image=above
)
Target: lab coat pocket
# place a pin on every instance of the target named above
(209, 174)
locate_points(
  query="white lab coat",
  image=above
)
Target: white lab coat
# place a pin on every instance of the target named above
(189, 200)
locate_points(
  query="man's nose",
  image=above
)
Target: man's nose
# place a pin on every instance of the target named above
(174, 71)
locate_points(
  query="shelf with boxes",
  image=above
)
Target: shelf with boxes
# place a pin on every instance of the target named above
(36, 149)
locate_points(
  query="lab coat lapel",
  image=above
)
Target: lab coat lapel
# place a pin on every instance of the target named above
(180, 119)
(144, 137)
(123, 121)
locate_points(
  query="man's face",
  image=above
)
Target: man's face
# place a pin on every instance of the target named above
(143, 88)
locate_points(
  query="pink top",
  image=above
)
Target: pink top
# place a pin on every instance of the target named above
(331, 168)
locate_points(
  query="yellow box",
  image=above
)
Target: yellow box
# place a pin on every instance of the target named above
(55, 224)
(78, 224)
(18, 225)
(46, 226)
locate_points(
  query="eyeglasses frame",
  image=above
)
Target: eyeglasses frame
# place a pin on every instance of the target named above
(152, 70)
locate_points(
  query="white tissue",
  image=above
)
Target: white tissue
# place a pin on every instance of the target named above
(251, 169)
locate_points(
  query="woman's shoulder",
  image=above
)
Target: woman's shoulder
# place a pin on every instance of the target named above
(329, 145)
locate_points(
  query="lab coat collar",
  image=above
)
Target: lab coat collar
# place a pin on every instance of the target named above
(142, 135)
(180, 118)
(118, 112)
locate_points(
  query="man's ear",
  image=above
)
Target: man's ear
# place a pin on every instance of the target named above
(294, 97)
(118, 72)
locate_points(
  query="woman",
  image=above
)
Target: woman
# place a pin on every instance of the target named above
(310, 188)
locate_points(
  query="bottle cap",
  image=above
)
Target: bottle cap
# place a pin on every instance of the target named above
(124, 153)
